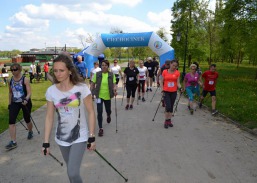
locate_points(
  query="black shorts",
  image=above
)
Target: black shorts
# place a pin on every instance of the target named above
(212, 93)
(151, 75)
(14, 110)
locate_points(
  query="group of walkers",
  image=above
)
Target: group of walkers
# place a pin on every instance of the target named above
(71, 99)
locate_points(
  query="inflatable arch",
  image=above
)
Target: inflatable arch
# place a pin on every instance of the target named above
(150, 39)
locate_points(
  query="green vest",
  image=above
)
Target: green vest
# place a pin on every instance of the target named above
(99, 81)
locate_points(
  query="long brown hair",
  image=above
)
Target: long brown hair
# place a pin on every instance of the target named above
(66, 59)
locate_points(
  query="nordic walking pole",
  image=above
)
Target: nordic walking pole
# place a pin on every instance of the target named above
(126, 180)
(123, 94)
(154, 94)
(22, 123)
(157, 109)
(61, 163)
(178, 102)
(32, 120)
(116, 113)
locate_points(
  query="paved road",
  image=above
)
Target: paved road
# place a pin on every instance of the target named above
(199, 148)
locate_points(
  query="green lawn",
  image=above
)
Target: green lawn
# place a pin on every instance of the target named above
(236, 93)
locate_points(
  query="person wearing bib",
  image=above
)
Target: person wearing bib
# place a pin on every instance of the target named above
(131, 76)
(143, 72)
(150, 65)
(170, 83)
(116, 70)
(104, 88)
(210, 80)
(19, 98)
(191, 83)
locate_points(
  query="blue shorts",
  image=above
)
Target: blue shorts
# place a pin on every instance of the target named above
(191, 90)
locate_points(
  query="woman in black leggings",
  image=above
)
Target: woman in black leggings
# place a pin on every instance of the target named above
(131, 75)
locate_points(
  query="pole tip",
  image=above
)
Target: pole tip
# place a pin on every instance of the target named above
(126, 180)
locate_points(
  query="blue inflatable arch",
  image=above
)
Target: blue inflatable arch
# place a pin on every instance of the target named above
(150, 39)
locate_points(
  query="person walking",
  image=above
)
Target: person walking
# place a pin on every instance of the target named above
(210, 80)
(104, 88)
(32, 71)
(116, 69)
(46, 69)
(19, 98)
(131, 78)
(81, 67)
(5, 73)
(191, 84)
(38, 71)
(150, 65)
(94, 70)
(143, 73)
(71, 98)
(170, 83)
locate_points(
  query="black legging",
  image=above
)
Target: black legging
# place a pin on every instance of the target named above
(169, 99)
(141, 83)
(131, 90)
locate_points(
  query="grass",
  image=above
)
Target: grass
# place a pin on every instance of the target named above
(236, 93)
(38, 100)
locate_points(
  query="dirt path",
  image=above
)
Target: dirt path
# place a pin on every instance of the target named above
(199, 148)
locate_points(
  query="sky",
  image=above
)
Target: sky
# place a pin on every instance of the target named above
(27, 24)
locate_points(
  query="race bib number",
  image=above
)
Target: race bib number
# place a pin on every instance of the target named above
(17, 94)
(211, 82)
(98, 100)
(171, 84)
(149, 68)
(131, 78)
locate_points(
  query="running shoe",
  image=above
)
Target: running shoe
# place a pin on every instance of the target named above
(30, 135)
(139, 98)
(170, 123)
(11, 145)
(166, 125)
(131, 107)
(147, 89)
(143, 99)
(214, 112)
(101, 132)
(108, 119)
(150, 89)
(127, 107)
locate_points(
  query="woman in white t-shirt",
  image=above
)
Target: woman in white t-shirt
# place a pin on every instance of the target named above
(116, 70)
(94, 70)
(71, 98)
(143, 73)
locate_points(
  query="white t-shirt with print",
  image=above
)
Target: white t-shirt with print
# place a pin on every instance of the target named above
(142, 71)
(69, 104)
(115, 69)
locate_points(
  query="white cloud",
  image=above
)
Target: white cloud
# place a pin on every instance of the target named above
(161, 19)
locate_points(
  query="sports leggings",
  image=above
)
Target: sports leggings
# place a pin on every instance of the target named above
(141, 86)
(131, 90)
(73, 156)
(169, 99)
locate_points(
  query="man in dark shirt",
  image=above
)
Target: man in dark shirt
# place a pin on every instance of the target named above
(150, 65)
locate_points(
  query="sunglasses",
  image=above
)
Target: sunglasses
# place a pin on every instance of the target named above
(13, 70)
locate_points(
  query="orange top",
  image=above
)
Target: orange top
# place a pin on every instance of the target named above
(170, 81)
